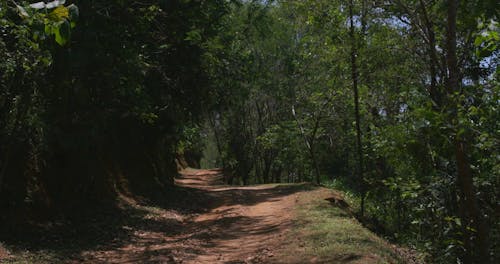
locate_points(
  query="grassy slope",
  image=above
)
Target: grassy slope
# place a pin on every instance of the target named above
(324, 233)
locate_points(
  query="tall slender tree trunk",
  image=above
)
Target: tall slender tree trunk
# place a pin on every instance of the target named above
(477, 250)
(227, 175)
(315, 164)
(354, 73)
(3, 168)
(433, 58)
(310, 143)
(267, 169)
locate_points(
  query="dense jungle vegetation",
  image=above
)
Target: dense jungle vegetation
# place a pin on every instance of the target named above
(395, 102)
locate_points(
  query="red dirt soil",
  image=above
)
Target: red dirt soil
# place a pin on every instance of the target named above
(246, 225)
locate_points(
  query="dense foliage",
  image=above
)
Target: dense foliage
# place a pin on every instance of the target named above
(424, 162)
(102, 106)
(396, 102)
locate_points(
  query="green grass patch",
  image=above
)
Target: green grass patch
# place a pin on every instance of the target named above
(39, 257)
(352, 198)
(328, 234)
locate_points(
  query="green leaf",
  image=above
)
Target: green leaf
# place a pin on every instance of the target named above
(479, 40)
(63, 32)
(49, 29)
(194, 35)
(59, 14)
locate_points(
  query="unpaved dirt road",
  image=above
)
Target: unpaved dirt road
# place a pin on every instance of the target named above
(242, 225)
(247, 225)
(208, 222)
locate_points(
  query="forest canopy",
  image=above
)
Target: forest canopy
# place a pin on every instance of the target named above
(395, 102)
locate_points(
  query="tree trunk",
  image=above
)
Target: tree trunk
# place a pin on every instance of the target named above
(477, 250)
(468, 203)
(268, 165)
(227, 178)
(310, 144)
(354, 73)
(315, 164)
(433, 59)
(277, 174)
(3, 169)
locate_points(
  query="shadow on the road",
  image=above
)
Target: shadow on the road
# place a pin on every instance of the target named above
(112, 228)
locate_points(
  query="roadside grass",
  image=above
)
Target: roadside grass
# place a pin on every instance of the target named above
(350, 197)
(325, 233)
(27, 257)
